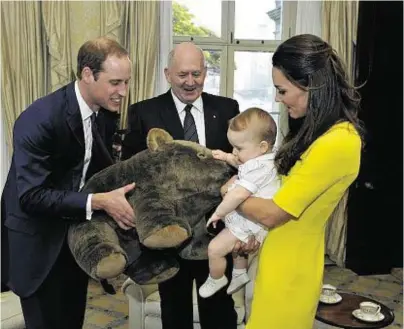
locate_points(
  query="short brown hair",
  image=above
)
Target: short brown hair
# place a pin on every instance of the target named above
(264, 124)
(93, 53)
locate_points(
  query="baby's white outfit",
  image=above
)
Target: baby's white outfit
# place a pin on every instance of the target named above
(259, 176)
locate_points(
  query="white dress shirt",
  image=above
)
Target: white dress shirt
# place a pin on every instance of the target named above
(197, 113)
(86, 113)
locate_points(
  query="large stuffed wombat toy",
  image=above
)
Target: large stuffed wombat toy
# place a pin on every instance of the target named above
(177, 183)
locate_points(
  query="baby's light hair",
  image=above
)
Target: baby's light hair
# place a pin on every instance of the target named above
(263, 124)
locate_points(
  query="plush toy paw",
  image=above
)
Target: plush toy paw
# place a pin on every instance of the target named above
(99, 254)
(167, 237)
(111, 266)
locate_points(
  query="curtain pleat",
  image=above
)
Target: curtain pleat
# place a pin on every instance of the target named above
(339, 30)
(142, 41)
(40, 41)
(22, 65)
(57, 25)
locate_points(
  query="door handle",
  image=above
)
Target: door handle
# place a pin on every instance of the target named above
(369, 185)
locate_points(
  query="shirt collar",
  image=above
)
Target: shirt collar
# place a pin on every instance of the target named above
(266, 156)
(198, 105)
(84, 108)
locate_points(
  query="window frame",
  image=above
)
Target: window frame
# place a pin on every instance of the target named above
(228, 45)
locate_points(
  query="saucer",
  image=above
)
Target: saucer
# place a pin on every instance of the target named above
(330, 299)
(367, 318)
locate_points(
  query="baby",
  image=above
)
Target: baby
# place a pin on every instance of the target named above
(252, 134)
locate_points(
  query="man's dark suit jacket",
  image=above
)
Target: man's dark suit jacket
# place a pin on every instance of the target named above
(41, 197)
(161, 112)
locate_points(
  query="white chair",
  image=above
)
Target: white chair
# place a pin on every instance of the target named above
(11, 312)
(144, 302)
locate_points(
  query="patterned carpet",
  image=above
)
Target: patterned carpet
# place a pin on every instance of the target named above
(111, 311)
(106, 311)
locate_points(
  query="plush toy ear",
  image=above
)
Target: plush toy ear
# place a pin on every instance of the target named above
(156, 138)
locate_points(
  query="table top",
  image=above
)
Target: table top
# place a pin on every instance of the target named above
(340, 315)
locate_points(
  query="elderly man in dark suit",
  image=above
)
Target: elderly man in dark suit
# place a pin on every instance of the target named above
(186, 113)
(59, 141)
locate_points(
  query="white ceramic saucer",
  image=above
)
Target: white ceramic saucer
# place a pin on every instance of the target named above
(336, 298)
(366, 317)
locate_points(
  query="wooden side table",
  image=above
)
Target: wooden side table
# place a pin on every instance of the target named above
(340, 315)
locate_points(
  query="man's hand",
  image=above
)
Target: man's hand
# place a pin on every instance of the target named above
(116, 205)
(246, 248)
(213, 220)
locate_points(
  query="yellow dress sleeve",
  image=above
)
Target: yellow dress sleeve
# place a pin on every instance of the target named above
(331, 157)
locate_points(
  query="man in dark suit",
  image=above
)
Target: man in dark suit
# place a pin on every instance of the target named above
(59, 142)
(186, 113)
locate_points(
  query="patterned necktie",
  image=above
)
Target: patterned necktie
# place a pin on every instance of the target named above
(93, 117)
(98, 134)
(190, 133)
(100, 157)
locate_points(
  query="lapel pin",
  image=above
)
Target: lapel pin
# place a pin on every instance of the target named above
(214, 116)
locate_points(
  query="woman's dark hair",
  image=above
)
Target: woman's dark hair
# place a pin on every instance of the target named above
(311, 64)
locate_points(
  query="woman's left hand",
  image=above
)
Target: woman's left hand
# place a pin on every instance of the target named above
(246, 248)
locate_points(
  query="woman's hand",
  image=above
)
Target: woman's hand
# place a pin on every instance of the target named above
(246, 248)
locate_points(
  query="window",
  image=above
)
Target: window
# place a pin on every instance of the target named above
(238, 38)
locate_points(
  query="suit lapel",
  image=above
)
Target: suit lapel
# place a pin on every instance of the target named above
(74, 119)
(211, 120)
(169, 116)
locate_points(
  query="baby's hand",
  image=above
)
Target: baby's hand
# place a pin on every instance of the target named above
(213, 220)
(219, 155)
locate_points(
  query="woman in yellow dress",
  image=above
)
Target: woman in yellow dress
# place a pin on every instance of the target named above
(317, 163)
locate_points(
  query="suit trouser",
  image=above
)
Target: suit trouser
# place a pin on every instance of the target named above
(215, 312)
(60, 302)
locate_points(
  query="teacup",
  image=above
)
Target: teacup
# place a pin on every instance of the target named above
(328, 290)
(369, 308)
